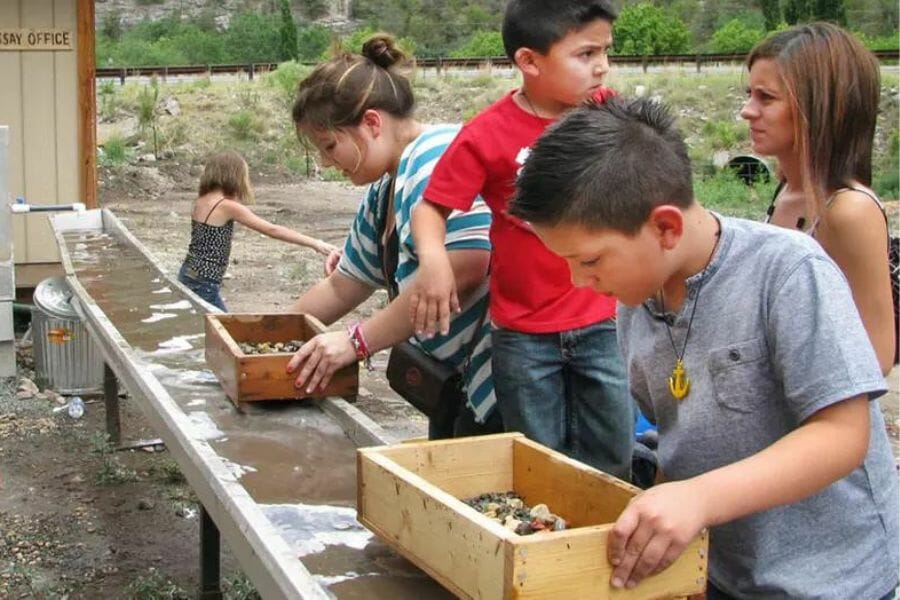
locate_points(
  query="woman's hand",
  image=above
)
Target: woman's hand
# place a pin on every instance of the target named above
(653, 531)
(332, 259)
(320, 357)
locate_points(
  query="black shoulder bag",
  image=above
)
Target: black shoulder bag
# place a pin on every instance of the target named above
(433, 387)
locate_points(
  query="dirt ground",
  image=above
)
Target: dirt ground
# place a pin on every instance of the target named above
(80, 521)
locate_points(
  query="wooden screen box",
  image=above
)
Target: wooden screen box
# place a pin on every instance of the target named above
(411, 496)
(251, 377)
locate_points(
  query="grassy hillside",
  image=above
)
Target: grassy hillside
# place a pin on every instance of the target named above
(254, 118)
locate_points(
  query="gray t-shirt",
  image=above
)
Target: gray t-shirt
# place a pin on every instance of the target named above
(776, 337)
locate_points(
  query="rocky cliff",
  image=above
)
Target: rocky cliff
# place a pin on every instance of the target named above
(130, 12)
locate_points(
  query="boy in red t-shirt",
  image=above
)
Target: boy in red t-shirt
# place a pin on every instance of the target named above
(558, 374)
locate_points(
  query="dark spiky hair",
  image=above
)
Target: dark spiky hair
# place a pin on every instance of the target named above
(605, 166)
(538, 24)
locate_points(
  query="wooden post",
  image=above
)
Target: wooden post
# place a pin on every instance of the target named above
(111, 401)
(210, 572)
(87, 105)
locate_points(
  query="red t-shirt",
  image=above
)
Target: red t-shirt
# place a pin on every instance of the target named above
(531, 288)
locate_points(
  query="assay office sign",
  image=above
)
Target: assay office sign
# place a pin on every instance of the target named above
(35, 39)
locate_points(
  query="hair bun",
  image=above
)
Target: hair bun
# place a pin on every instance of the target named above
(382, 50)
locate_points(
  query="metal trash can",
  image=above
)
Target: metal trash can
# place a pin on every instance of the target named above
(64, 355)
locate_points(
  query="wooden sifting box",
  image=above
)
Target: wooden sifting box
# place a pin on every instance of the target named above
(411, 496)
(247, 378)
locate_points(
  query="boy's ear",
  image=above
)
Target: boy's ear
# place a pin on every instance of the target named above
(667, 223)
(372, 120)
(525, 59)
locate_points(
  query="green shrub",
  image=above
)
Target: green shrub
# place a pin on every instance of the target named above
(724, 135)
(154, 586)
(725, 193)
(114, 152)
(332, 174)
(245, 125)
(239, 587)
(887, 185)
(482, 43)
(735, 37)
(286, 77)
(884, 42)
(109, 103)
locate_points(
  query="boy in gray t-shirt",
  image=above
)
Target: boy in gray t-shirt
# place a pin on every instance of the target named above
(743, 344)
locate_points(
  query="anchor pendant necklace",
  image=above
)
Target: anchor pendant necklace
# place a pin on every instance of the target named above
(679, 382)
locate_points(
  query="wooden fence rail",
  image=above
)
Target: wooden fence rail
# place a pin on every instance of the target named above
(438, 63)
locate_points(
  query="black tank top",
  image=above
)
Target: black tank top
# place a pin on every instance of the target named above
(210, 247)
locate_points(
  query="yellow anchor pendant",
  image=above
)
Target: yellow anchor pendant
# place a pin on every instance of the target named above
(679, 382)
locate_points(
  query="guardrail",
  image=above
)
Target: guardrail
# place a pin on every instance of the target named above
(439, 63)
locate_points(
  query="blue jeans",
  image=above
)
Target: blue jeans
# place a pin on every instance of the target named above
(203, 287)
(567, 391)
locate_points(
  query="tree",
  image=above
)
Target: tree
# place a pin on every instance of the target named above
(312, 41)
(253, 37)
(830, 10)
(288, 46)
(771, 13)
(644, 29)
(735, 37)
(796, 11)
(112, 25)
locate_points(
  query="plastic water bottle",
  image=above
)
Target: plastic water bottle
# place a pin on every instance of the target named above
(75, 407)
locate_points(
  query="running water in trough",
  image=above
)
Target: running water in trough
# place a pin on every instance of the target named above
(293, 459)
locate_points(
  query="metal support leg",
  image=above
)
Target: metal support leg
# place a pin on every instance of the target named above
(111, 400)
(210, 578)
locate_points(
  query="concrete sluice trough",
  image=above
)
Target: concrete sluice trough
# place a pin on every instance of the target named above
(278, 479)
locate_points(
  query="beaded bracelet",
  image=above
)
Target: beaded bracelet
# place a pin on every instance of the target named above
(354, 330)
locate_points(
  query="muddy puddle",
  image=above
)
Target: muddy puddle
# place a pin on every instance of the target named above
(293, 459)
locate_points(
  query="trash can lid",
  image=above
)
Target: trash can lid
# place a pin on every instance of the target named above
(54, 297)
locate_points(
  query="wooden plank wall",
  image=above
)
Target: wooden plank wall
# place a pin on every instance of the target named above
(39, 101)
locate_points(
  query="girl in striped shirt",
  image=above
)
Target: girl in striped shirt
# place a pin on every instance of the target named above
(357, 110)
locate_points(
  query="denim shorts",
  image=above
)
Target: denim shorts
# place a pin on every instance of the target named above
(202, 286)
(567, 391)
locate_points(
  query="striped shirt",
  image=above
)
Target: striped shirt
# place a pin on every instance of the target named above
(467, 230)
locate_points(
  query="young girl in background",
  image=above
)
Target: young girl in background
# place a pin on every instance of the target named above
(222, 198)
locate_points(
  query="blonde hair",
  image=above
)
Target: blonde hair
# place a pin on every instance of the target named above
(228, 173)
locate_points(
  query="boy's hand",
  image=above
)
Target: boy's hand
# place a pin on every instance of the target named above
(332, 260)
(433, 296)
(653, 531)
(321, 357)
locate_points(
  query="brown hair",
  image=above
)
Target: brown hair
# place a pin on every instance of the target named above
(338, 92)
(833, 85)
(228, 173)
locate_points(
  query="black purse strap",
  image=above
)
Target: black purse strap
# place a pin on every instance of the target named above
(389, 254)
